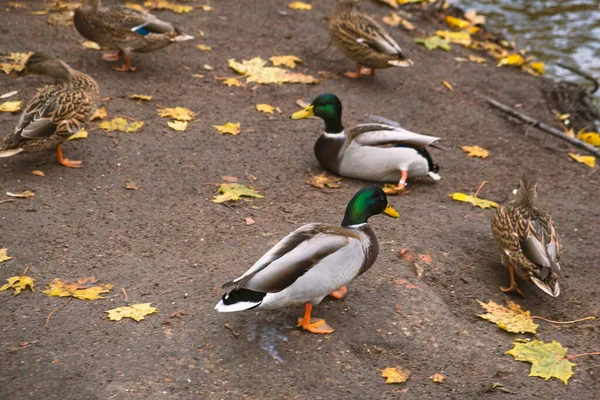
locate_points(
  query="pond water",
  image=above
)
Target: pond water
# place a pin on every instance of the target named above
(566, 31)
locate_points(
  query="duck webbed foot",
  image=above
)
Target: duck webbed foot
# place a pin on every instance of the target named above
(313, 325)
(513, 284)
(65, 161)
(127, 67)
(339, 293)
(355, 75)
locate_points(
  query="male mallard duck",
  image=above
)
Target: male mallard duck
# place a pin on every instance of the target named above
(372, 152)
(55, 112)
(364, 41)
(527, 240)
(125, 29)
(309, 263)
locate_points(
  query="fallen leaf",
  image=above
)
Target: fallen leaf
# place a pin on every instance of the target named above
(3, 256)
(83, 289)
(476, 201)
(448, 85)
(122, 125)
(232, 82)
(199, 76)
(438, 378)
(457, 23)
(16, 5)
(547, 359)
(99, 114)
(301, 103)
(426, 258)
(207, 67)
(131, 185)
(255, 71)
(229, 178)
(298, 5)
(393, 19)
(592, 138)
(512, 319)
(392, 189)
(461, 37)
(476, 59)
(590, 161)
(180, 126)
(37, 173)
(406, 255)
(249, 221)
(266, 108)
(177, 314)
(475, 19)
(206, 7)
(323, 179)
(203, 47)
(135, 311)
(391, 3)
(233, 192)
(90, 45)
(178, 113)
(18, 283)
(514, 60)
(229, 127)
(16, 62)
(140, 97)
(395, 375)
(82, 134)
(165, 5)
(288, 61)
(11, 106)
(64, 18)
(537, 67)
(22, 195)
(433, 42)
(475, 151)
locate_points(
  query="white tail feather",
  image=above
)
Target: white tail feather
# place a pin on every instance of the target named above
(10, 152)
(401, 63)
(241, 306)
(182, 38)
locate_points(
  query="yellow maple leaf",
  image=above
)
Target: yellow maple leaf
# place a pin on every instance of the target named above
(460, 37)
(37, 173)
(395, 375)
(22, 195)
(590, 161)
(514, 60)
(99, 114)
(438, 378)
(323, 179)
(266, 108)
(83, 289)
(255, 71)
(298, 5)
(135, 311)
(16, 62)
(512, 319)
(288, 61)
(232, 82)
(229, 127)
(165, 5)
(18, 284)
(140, 97)
(457, 23)
(11, 106)
(178, 125)
(203, 47)
(476, 201)
(90, 45)
(233, 192)
(178, 113)
(82, 134)
(475, 151)
(547, 359)
(3, 256)
(122, 125)
(537, 67)
(592, 138)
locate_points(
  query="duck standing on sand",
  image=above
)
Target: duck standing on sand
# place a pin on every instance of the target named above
(527, 240)
(364, 41)
(55, 112)
(311, 262)
(124, 29)
(372, 152)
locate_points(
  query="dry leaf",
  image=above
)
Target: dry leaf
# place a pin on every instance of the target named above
(457, 23)
(203, 47)
(537, 67)
(298, 5)
(206, 8)
(178, 113)
(512, 319)
(83, 289)
(16, 62)
(395, 20)
(592, 138)
(301, 103)
(514, 60)
(178, 125)
(323, 179)
(476, 59)
(448, 85)
(249, 221)
(99, 114)
(11, 106)
(232, 82)
(266, 108)
(135, 6)
(131, 185)
(475, 19)
(229, 178)
(391, 3)
(165, 5)
(18, 283)
(288, 61)
(547, 359)
(395, 375)
(140, 97)
(135, 311)
(64, 18)
(3, 256)
(82, 134)
(37, 173)
(590, 161)
(233, 192)
(461, 37)
(438, 378)
(16, 5)
(207, 67)
(255, 71)
(121, 124)
(475, 151)
(476, 201)
(90, 45)
(22, 195)
(229, 127)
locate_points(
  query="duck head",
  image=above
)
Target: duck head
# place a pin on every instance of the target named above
(326, 106)
(367, 202)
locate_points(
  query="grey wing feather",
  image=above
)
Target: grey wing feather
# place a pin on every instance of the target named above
(540, 250)
(379, 39)
(385, 135)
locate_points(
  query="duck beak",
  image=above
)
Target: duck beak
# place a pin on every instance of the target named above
(307, 112)
(391, 212)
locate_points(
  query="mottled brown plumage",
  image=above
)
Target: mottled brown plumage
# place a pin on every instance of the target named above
(527, 239)
(363, 40)
(56, 112)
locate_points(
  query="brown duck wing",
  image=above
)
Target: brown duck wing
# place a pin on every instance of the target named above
(539, 243)
(122, 17)
(367, 31)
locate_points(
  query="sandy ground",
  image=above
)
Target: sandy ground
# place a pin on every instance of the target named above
(168, 244)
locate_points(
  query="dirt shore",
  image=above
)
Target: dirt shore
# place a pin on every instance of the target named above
(168, 244)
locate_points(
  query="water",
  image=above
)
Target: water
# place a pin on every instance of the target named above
(566, 31)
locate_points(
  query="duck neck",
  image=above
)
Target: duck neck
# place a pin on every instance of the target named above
(333, 124)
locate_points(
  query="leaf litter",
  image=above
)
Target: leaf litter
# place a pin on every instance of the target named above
(18, 283)
(255, 70)
(324, 179)
(122, 125)
(512, 319)
(395, 375)
(547, 359)
(11, 106)
(230, 128)
(135, 311)
(476, 151)
(234, 192)
(83, 288)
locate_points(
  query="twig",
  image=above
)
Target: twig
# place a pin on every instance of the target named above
(542, 126)
(594, 353)
(124, 294)
(564, 322)
(24, 272)
(7, 201)
(583, 74)
(56, 309)
(479, 188)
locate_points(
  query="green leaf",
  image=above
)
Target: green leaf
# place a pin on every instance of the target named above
(547, 359)
(433, 42)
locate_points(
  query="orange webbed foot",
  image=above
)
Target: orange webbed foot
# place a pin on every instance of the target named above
(125, 68)
(340, 293)
(65, 161)
(316, 325)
